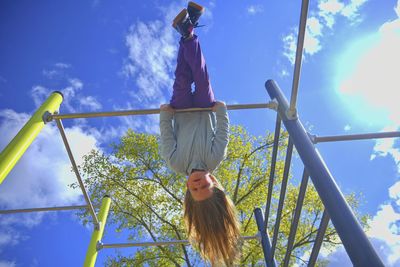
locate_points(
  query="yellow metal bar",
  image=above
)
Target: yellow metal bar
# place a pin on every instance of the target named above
(17, 147)
(91, 254)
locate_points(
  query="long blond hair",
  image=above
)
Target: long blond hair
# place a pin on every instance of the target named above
(213, 227)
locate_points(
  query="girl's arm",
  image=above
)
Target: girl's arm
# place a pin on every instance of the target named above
(221, 139)
(168, 141)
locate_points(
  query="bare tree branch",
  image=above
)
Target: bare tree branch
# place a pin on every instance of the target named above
(174, 228)
(160, 181)
(246, 157)
(153, 237)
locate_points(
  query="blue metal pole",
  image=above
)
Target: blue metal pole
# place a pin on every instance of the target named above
(296, 218)
(273, 165)
(319, 239)
(350, 231)
(282, 194)
(265, 241)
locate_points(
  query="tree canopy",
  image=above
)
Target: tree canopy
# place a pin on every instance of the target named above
(147, 198)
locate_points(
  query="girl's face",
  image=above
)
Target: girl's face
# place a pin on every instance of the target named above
(201, 185)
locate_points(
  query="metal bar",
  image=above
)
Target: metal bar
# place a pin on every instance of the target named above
(43, 209)
(320, 237)
(272, 170)
(296, 217)
(78, 176)
(157, 243)
(319, 139)
(270, 105)
(265, 241)
(91, 254)
(145, 244)
(288, 159)
(18, 145)
(350, 231)
(299, 54)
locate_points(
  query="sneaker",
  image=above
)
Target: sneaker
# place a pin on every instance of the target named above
(182, 24)
(195, 11)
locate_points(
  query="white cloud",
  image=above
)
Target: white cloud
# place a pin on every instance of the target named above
(330, 7)
(74, 100)
(50, 73)
(317, 24)
(339, 257)
(347, 127)
(289, 43)
(61, 65)
(313, 32)
(378, 68)
(146, 123)
(314, 26)
(57, 71)
(385, 226)
(311, 40)
(150, 64)
(374, 81)
(76, 83)
(386, 147)
(351, 10)
(284, 73)
(39, 94)
(152, 50)
(9, 237)
(328, 10)
(7, 263)
(254, 9)
(394, 193)
(151, 60)
(42, 176)
(90, 102)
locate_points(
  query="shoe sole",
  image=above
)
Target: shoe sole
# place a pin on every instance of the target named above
(196, 6)
(179, 17)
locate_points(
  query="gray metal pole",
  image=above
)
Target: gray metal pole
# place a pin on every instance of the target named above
(350, 232)
(296, 217)
(273, 166)
(44, 209)
(299, 55)
(318, 240)
(320, 139)
(78, 176)
(288, 159)
(270, 105)
(157, 243)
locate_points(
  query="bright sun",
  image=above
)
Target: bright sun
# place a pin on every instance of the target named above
(367, 78)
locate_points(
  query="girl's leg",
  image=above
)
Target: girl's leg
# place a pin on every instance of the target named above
(182, 90)
(203, 95)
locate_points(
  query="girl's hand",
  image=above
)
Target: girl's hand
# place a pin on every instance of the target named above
(218, 104)
(167, 107)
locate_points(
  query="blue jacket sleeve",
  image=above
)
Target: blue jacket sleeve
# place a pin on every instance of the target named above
(168, 140)
(221, 138)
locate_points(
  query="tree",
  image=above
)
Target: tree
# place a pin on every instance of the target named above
(147, 198)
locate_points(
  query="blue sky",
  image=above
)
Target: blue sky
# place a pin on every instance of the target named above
(109, 55)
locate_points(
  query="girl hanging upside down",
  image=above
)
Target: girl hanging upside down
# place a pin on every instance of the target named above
(194, 143)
